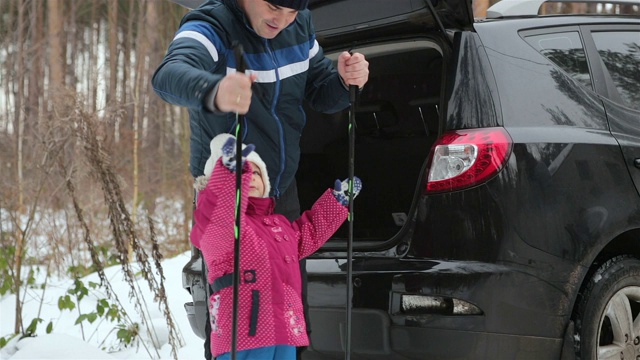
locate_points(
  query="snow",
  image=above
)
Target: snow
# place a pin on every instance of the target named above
(97, 340)
(49, 347)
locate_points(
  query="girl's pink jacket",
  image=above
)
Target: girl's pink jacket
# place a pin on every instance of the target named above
(270, 305)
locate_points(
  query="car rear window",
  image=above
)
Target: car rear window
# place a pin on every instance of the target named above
(620, 53)
(566, 51)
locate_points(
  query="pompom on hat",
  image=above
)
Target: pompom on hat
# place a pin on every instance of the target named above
(216, 153)
(291, 4)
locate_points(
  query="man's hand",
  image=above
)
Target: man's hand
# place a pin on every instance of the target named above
(353, 68)
(234, 93)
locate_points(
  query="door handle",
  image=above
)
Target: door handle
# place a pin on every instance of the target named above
(636, 163)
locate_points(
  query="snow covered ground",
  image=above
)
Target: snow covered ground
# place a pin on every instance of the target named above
(98, 340)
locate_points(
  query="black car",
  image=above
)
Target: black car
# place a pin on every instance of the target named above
(500, 214)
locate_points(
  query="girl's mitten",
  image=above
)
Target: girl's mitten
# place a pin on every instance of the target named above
(341, 190)
(229, 153)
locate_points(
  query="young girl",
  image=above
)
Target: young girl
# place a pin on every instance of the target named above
(270, 318)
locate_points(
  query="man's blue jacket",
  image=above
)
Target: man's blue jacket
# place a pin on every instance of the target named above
(290, 68)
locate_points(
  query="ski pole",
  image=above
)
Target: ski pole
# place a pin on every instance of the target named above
(240, 67)
(352, 140)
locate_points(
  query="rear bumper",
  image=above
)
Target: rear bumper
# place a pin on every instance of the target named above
(196, 313)
(374, 337)
(194, 282)
(521, 316)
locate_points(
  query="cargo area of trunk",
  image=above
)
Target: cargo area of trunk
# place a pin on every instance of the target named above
(396, 124)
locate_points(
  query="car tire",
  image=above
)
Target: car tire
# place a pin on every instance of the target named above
(607, 308)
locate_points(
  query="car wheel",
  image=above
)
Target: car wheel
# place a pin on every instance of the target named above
(607, 317)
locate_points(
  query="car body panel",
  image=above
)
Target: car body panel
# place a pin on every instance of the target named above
(517, 247)
(471, 90)
(624, 126)
(341, 22)
(496, 289)
(524, 75)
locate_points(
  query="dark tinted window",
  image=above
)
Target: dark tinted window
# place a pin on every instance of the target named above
(620, 52)
(565, 50)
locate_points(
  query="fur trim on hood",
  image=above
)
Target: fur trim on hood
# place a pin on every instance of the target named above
(216, 152)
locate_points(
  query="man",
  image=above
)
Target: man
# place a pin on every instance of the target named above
(285, 66)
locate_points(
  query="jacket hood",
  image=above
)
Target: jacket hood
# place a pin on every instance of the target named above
(216, 153)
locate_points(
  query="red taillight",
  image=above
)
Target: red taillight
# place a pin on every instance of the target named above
(464, 158)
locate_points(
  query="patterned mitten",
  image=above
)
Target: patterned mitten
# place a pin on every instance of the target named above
(341, 190)
(229, 153)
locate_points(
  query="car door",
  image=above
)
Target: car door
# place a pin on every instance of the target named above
(614, 53)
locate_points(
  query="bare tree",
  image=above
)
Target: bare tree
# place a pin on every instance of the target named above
(127, 69)
(56, 54)
(480, 8)
(36, 67)
(629, 9)
(155, 130)
(141, 52)
(113, 51)
(19, 115)
(72, 43)
(92, 75)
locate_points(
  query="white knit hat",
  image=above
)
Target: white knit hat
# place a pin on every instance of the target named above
(216, 153)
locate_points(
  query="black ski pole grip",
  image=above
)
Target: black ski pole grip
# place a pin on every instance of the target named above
(241, 65)
(238, 53)
(353, 89)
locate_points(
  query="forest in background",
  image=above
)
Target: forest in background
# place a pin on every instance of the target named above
(61, 58)
(93, 165)
(91, 160)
